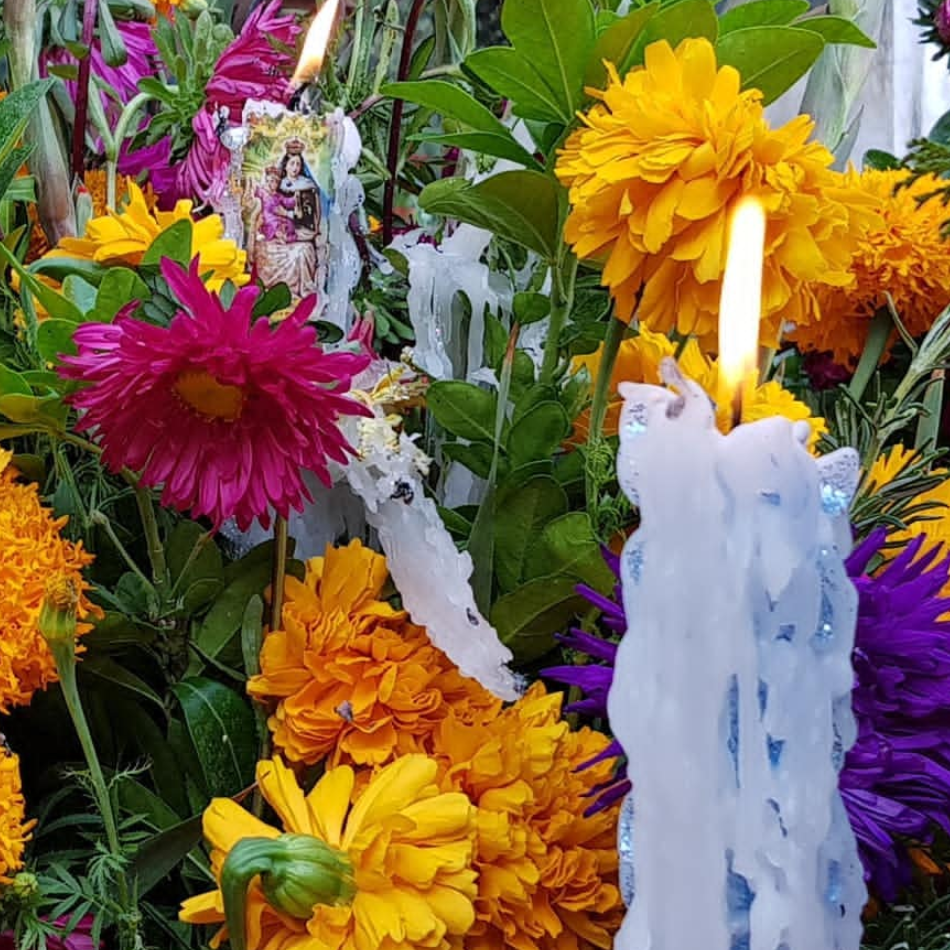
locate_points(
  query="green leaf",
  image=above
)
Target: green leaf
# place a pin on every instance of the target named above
(481, 130)
(528, 618)
(44, 412)
(514, 78)
(483, 142)
(762, 13)
(11, 382)
(223, 620)
(81, 293)
(883, 161)
(119, 286)
(476, 457)
(158, 856)
(520, 516)
(538, 433)
(113, 48)
(221, 726)
(173, 243)
(557, 37)
(530, 307)
(675, 23)
(617, 44)
(16, 110)
(770, 58)
(836, 29)
(463, 409)
(519, 206)
(55, 304)
(203, 577)
(567, 546)
(117, 676)
(10, 166)
(271, 300)
(54, 337)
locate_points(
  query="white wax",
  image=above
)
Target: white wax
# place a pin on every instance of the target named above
(731, 695)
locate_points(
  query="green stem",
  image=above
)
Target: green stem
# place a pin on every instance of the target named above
(928, 427)
(616, 330)
(879, 333)
(64, 655)
(114, 146)
(97, 517)
(279, 573)
(153, 540)
(199, 546)
(563, 274)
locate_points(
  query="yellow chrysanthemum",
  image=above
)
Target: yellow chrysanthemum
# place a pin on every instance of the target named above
(659, 165)
(934, 523)
(547, 875)
(123, 237)
(352, 677)
(410, 847)
(14, 828)
(638, 361)
(904, 256)
(33, 552)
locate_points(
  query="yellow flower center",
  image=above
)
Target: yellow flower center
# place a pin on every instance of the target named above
(209, 397)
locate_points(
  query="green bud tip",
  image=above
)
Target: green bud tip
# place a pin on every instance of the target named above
(57, 621)
(296, 872)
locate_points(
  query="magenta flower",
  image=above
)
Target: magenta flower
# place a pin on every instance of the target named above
(220, 409)
(942, 21)
(258, 63)
(79, 938)
(122, 80)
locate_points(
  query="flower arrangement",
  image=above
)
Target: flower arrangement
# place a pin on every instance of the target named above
(313, 348)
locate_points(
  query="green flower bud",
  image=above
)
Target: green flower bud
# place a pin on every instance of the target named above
(57, 620)
(193, 8)
(296, 872)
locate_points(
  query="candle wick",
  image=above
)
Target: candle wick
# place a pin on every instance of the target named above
(736, 408)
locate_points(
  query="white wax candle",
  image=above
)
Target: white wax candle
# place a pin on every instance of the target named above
(731, 695)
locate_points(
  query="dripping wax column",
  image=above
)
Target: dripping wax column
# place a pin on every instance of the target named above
(731, 694)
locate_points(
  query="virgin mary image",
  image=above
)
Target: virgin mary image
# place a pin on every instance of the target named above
(287, 225)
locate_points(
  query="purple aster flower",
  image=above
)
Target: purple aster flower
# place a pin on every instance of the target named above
(895, 782)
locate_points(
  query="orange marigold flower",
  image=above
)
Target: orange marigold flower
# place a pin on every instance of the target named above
(547, 874)
(96, 183)
(654, 175)
(904, 256)
(352, 677)
(33, 552)
(638, 361)
(14, 828)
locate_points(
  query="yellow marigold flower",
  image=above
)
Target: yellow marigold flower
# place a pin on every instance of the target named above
(934, 523)
(410, 846)
(14, 828)
(547, 875)
(34, 551)
(123, 237)
(352, 677)
(95, 181)
(638, 361)
(653, 177)
(904, 256)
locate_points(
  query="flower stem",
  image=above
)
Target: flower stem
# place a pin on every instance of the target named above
(616, 330)
(89, 11)
(156, 553)
(878, 334)
(118, 137)
(279, 574)
(564, 272)
(65, 658)
(395, 125)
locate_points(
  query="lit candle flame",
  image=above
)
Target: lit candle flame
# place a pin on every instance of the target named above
(740, 306)
(315, 45)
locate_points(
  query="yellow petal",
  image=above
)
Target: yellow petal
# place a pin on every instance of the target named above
(329, 802)
(203, 909)
(225, 823)
(390, 791)
(281, 790)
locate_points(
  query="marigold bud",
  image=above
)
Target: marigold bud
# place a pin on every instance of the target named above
(57, 621)
(296, 872)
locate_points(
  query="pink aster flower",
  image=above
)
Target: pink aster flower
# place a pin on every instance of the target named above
(222, 410)
(258, 63)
